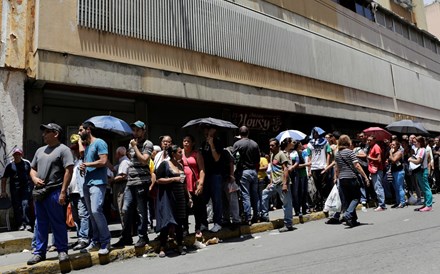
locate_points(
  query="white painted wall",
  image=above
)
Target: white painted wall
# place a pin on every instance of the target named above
(11, 113)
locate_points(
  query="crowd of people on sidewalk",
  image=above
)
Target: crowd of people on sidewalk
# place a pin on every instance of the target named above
(156, 188)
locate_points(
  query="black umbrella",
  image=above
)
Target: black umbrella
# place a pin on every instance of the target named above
(210, 122)
(407, 127)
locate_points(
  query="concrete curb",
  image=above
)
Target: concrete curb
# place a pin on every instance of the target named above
(8, 246)
(81, 261)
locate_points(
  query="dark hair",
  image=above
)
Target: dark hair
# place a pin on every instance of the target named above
(297, 144)
(191, 138)
(89, 125)
(396, 141)
(285, 142)
(243, 131)
(277, 143)
(421, 141)
(172, 149)
(336, 134)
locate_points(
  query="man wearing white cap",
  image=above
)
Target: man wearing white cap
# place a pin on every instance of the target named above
(20, 187)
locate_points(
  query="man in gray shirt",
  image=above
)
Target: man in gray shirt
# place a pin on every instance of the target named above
(136, 190)
(51, 173)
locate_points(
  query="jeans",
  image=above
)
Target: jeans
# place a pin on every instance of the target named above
(398, 177)
(135, 202)
(422, 179)
(377, 182)
(351, 193)
(118, 198)
(299, 194)
(20, 198)
(249, 191)
(286, 198)
(94, 198)
(213, 185)
(80, 216)
(50, 213)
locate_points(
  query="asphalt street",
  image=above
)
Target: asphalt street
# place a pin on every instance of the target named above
(393, 241)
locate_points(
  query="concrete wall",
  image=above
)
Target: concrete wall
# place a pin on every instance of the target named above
(433, 18)
(342, 58)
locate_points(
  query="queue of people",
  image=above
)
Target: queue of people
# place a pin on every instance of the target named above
(158, 187)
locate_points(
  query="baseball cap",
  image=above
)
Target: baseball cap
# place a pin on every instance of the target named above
(17, 150)
(51, 126)
(138, 124)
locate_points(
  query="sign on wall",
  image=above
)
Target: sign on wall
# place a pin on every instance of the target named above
(256, 121)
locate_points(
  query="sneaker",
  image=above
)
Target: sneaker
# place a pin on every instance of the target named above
(80, 245)
(364, 207)
(22, 228)
(104, 249)
(28, 228)
(141, 242)
(203, 228)
(216, 228)
(286, 229)
(62, 256)
(426, 209)
(91, 247)
(420, 208)
(36, 259)
(333, 221)
(377, 209)
(352, 223)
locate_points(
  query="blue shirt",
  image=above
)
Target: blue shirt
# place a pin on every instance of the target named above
(95, 175)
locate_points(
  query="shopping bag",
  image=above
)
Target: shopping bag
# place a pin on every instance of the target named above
(333, 202)
(69, 217)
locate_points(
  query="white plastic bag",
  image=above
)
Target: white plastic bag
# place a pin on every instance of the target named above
(333, 202)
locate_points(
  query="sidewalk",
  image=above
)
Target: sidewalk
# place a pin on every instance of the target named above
(14, 260)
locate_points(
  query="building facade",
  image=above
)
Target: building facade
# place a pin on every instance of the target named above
(433, 17)
(270, 65)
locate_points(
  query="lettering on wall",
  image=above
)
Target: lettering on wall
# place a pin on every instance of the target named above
(256, 121)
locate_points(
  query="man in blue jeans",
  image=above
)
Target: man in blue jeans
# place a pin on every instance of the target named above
(137, 188)
(51, 173)
(95, 184)
(248, 161)
(375, 167)
(279, 182)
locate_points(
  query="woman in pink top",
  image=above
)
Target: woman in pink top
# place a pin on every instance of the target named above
(195, 175)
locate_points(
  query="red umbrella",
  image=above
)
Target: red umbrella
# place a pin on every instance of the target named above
(380, 133)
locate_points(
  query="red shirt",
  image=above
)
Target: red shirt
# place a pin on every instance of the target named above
(374, 153)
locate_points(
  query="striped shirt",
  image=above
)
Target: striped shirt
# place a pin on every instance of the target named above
(345, 171)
